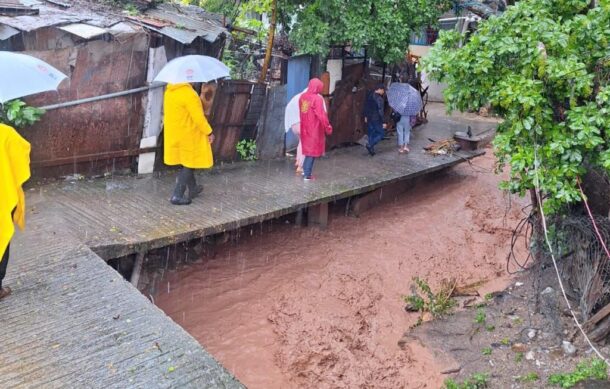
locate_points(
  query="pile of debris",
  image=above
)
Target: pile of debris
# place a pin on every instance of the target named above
(442, 147)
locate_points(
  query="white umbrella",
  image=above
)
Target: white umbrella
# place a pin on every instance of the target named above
(291, 114)
(192, 68)
(24, 75)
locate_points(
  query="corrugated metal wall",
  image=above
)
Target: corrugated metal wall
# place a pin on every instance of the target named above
(95, 137)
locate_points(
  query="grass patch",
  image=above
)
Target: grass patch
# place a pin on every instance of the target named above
(519, 357)
(480, 317)
(487, 351)
(590, 369)
(530, 377)
(505, 342)
(490, 328)
(476, 381)
(424, 299)
(489, 297)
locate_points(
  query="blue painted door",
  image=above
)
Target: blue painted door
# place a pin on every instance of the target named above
(298, 75)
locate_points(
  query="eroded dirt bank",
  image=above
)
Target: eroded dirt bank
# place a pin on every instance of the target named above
(307, 308)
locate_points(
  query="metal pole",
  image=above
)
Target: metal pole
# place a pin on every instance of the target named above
(102, 97)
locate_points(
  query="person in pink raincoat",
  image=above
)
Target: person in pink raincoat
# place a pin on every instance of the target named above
(314, 125)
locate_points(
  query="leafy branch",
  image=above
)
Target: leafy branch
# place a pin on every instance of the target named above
(18, 114)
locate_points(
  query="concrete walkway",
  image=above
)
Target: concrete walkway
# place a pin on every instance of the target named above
(74, 322)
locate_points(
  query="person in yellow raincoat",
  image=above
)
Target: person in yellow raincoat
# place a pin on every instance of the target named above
(14, 172)
(187, 139)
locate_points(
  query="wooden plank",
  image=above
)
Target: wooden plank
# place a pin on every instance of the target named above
(137, 269)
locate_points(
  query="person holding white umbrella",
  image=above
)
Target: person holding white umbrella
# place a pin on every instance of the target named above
(20, 75)
(187, 135)
(292, 122)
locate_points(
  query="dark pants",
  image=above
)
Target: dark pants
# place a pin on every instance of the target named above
(186, 179)
(308, 166)
(4, 264)
(375, 133)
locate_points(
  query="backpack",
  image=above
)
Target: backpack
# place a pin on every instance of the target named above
(395, 116)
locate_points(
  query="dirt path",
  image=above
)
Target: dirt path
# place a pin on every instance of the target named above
(305, 308)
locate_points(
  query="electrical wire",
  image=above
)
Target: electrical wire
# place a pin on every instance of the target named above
(550, 247)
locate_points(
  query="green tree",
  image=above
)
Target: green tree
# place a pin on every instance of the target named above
(544, 66)
(383, 26)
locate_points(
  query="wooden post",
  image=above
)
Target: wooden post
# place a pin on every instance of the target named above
(137, 269)
(270, 40)
(317, 216)
(299, 218)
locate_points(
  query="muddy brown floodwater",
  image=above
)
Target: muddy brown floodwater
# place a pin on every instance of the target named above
(305, 308)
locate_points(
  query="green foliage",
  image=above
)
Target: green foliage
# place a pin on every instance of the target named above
(490, 328)
(480, 317)
(246, 149)
(18, 114)
(131, 9)
(384, 26)
(544, 66)
(530, 377)
(240, 60)
(591, 369)
(486, 351)
(505, 342)
(519, 357)
(476, 381)
(424, 300)
(489, 297)
(224, 7)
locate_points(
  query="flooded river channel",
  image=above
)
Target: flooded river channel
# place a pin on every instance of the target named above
(299, 307)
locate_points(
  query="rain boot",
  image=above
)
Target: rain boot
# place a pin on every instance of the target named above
(178, 196)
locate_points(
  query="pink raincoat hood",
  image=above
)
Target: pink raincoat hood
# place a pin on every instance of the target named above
(315, 86)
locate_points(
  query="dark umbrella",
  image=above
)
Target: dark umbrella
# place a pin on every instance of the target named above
(404, 99)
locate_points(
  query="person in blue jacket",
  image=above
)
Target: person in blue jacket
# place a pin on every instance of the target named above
(374, 117)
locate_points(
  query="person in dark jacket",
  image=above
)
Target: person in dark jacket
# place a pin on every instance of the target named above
(373, 117)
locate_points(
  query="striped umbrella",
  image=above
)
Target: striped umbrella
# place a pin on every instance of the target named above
(404, 99)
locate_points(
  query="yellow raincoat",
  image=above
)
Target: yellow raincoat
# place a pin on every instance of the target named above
(186, 130)
(14, 172)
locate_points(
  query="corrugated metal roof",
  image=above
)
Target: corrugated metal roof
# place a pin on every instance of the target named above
(85, 31)
(181, 23)
(55, 16)
(123, 28)
(189, 22)
(7, 32)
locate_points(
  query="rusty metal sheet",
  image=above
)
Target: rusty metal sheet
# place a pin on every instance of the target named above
(228, 116)
(345, 112)
(108, 127)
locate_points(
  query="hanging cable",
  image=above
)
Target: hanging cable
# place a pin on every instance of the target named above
(550, 247)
